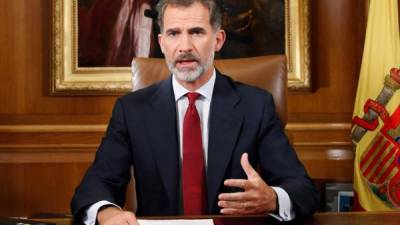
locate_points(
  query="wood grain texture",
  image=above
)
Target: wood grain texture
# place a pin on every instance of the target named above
(25, 66)
(46, 143)
(337, 36)
(38, 187)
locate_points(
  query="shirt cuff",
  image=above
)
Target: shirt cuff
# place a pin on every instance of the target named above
(285, 208)
(91, 213)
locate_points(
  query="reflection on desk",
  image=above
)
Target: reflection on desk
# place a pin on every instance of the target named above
(351, 218)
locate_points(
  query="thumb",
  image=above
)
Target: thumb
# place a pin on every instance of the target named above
(248, 169)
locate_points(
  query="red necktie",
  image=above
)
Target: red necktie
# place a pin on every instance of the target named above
(193, 170)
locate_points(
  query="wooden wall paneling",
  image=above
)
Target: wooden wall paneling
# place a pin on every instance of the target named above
(25, 71)
(49, 143)
(325, 149)
(30, 188)
(337, 34)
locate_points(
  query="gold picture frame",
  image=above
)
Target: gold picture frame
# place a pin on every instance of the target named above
(67, 78)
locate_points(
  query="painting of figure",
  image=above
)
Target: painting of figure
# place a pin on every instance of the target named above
(253, 27)
(112, 32)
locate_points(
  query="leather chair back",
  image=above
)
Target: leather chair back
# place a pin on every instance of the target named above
(266, 72)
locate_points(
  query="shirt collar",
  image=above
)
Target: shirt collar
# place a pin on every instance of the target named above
(205, 91)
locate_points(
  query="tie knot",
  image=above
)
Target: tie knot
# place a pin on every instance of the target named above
(192, 96)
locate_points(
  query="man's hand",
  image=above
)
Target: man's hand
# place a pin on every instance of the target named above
(116, 216)
(257, 197)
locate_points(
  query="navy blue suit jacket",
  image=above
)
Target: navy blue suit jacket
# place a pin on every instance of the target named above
(143, 132)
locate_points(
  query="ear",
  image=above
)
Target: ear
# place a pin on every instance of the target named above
(220, 37)
(161, 42)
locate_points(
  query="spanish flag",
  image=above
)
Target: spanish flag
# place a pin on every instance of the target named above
(376, 119)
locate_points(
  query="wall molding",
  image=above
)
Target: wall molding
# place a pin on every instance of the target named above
(47, 128)
(324, 144)
(84, 128)
(47, 153)
(46, 147)
(317, 126)
(25, 143)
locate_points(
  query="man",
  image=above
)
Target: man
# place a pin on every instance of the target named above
(194, 139)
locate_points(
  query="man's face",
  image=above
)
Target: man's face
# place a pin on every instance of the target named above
(189, 42)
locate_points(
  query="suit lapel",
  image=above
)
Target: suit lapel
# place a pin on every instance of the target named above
(225, 124)
(162, 130)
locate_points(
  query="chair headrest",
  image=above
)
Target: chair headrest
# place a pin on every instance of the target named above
(266, 72)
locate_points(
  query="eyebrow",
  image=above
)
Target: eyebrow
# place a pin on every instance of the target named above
(172, 30)
(190, 30)
(197, 30)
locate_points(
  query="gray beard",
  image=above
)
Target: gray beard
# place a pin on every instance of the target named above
(190, 75)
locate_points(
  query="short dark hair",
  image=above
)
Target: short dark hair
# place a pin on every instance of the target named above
(215, 12)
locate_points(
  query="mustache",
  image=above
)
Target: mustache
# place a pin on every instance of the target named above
(186, 56)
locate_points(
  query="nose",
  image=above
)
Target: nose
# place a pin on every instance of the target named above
(185, 44)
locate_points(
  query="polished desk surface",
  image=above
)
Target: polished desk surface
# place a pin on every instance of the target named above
(351, 218)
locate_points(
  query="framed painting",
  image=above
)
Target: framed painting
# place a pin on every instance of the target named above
(93, 41)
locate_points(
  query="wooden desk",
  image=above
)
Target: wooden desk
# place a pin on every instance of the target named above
(353, 218)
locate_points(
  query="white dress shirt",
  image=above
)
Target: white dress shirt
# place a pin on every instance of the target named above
(203, 103)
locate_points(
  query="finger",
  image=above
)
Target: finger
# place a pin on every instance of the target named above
(240, 183)
(237, 196)
(248, 169)
(130, 218)
(234, 204)
(232, 211)
(132, 222)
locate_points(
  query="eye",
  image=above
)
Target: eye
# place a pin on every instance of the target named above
(197, 33)
(172, 34)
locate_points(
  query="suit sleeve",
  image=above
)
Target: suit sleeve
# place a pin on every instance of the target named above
(107, 178)
(280, 166)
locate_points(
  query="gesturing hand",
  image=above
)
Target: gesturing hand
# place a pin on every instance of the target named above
(256, 198)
